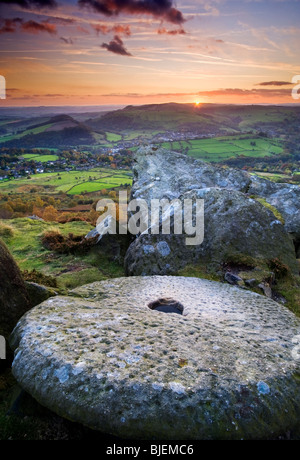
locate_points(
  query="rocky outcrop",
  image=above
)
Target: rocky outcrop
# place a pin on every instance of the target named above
(225, 367)
(113, 245)
(284, 197)
(235, 225)
(236, 228)
(171, 173)
(14, 299)
(178, 173)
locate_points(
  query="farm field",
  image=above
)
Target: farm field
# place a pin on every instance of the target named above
(113, 137)
(71, 182)
(41, 158)
(222, 148)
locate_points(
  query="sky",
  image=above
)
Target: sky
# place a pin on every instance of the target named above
(133, 52)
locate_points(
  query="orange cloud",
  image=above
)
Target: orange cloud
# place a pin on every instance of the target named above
(117, 29)
(34, 27)
(11, 26)
(162, 31)
(274, 83)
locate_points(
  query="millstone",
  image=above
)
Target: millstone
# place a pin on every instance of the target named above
(223, 369)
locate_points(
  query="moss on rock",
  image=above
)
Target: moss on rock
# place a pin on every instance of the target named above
(14, 300)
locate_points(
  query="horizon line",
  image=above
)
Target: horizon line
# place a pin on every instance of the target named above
(154, 103)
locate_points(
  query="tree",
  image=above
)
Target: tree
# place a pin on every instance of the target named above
(50, 213)
(112, 194)
(6, 211)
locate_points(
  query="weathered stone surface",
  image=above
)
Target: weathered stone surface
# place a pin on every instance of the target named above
(284, 197)
(234, 224)
(174, 174)
(225, 369)
(232, 279)
(162, 173)
(38, 293)
(114, 245)
(14, 300)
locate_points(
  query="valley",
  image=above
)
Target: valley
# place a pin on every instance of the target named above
(55, 166)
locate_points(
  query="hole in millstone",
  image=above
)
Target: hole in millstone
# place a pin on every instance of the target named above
(166, 305)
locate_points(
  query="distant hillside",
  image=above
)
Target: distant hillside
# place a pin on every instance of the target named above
(57, 131)
(151, 122)
(189, 117)
(153, 117)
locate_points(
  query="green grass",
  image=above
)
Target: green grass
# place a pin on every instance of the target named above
(30, 156)
(222, 148)
(113, 137)
(275, 177)
(26, 246)
(41, 158)
(70, 271)
(73, 182)
(131, 136)
(95, 186)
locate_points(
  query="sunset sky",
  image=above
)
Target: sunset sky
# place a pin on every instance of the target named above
(95, 52)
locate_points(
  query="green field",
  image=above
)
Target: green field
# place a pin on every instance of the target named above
(222, 148)
(41, 158)
(72, 182)
(113, 137)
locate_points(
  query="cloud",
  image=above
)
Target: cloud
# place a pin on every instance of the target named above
(120, 29)
(227, 94)
(162, 9)
(62, 21)
(247, 92)
(31, 3)
(9, 25)
(141, 96)
(67, 41)
(83, 30)
(34, 27)
(162, 31)
(116, 46)
(117, 29)
(274, 83)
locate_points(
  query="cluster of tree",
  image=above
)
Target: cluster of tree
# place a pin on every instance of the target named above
(59, 208)
(284, 163)
(66, 158)
(15, 205)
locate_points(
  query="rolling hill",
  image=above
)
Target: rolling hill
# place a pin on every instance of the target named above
(140, 123)
(56, 131)
(202, 119)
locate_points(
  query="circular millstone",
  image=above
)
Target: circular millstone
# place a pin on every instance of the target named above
(224, 369)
